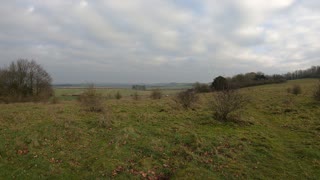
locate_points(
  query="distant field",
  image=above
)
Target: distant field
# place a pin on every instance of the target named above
(125, 90)
(157, 139)
(71, 93)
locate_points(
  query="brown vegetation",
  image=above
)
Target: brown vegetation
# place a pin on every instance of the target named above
(296, 89)
(226, 102)
(91, 100)
(186, 98)
(156, 94)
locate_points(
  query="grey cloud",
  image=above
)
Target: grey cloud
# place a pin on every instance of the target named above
(160, 40)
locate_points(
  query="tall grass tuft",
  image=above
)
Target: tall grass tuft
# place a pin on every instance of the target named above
(316, 93)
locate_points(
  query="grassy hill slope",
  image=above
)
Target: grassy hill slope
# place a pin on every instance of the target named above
(156, 139)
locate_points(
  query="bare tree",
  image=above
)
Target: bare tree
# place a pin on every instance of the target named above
(226, 102)
(91, 99)
(186, 98)
(25, 80)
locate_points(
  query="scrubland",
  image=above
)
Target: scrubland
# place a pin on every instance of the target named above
(277, 136)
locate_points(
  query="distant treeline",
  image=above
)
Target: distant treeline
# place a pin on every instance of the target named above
(313, 72)
(259, 78)
(139, 87)
(255, 79)
(24, 80)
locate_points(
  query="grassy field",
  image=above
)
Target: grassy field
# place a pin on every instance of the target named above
(279, 138)
(108, 93)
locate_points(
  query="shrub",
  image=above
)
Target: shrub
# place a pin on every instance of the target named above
(135, 96)
(55, 100)
(296, 89)
(118, 95)
(219, 83)
(316, 93)
(186, 98)
(201, 88)
(156, 94)
(91, 100)
(226, 102)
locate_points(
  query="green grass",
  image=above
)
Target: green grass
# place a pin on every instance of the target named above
(155, 138)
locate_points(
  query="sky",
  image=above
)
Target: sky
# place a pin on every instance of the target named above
(153, 41)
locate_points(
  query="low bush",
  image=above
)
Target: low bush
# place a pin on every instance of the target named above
(156, 94)
(91, 100)
(186, 98)
(226, 102)
(118, 95)
(135, 96)
(296, 89)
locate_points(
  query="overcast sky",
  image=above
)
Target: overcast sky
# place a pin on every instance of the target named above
(145, 41)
